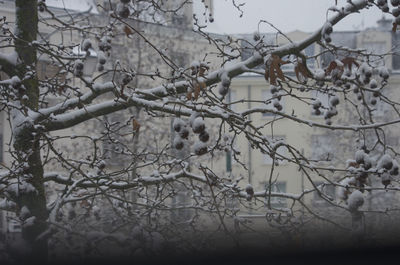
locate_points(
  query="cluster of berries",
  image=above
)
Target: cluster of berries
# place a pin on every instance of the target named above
(198, 127)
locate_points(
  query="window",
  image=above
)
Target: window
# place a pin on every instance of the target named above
(327, 189)
(181, 199)
(47, 70)
(113, 151)
(280, 187)
(1, 137)
(249, 45)
(179, 21)
(288, 68)
(267, 96)
(282, 150)
(231, 202)
(181, 59)
(326, 58)
(1, 146)
(231, 98)
(381, 108)
(14, 226)
(378, 48)
(310, 51)
(322, 147)
(114, 144)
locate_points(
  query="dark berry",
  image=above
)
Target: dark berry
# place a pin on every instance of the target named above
(204, 136)
(184, 133)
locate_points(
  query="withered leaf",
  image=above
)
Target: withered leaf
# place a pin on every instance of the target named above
(135, 125)
(202, 71)
(349, 61)
(354, 164)
(273, 69)
(128, 31)
(198, 88)
(301, 71)
(85, 204)
(189, 95)
(330, 68)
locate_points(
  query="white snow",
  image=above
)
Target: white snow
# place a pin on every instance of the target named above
(356, 200)
(24, 213)
(78, 50)
(193, 116)
(385, 162)
(249, 189)
(7, 204)
(200, 148)
(342, 191)
(12, 57)
(319, 74)
(360, 156)
(198, 124)
(29, 222)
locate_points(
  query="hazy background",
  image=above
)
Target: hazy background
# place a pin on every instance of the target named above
(287, 15)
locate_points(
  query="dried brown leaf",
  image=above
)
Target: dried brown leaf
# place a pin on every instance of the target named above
(189, 95)
(349, 61)
(128, 31)
(273, 69)
(301, 71)
(135, 125)
(198, 88)
(331, 67)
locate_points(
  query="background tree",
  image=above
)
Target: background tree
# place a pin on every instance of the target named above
(76, 173)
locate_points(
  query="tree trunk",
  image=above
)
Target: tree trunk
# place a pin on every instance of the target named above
(31, 192)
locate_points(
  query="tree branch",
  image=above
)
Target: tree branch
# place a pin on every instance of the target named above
(123, 185)
(142, 98)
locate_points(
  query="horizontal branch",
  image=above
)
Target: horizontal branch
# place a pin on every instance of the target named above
(122, 185)
(98, 89)
(316, 124)
(62, 121)
(142, 97)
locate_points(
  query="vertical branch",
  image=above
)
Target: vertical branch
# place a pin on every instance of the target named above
(26, 32)
(32, 200)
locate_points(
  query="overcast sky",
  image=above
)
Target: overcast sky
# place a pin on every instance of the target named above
(287, 15)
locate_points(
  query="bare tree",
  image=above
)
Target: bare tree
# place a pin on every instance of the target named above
(98, 158)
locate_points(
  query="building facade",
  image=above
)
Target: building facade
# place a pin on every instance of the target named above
(174, 35)
(324, 148)
(171, 33)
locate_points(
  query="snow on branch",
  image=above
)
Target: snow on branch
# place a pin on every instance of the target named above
(8, 63)
(123, 185)
(143, 98)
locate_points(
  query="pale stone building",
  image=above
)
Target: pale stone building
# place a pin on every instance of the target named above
(172, 34)
(175, 36)
(336, 147)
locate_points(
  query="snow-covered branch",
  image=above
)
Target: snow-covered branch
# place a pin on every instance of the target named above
(123, 185)
(142, 97)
